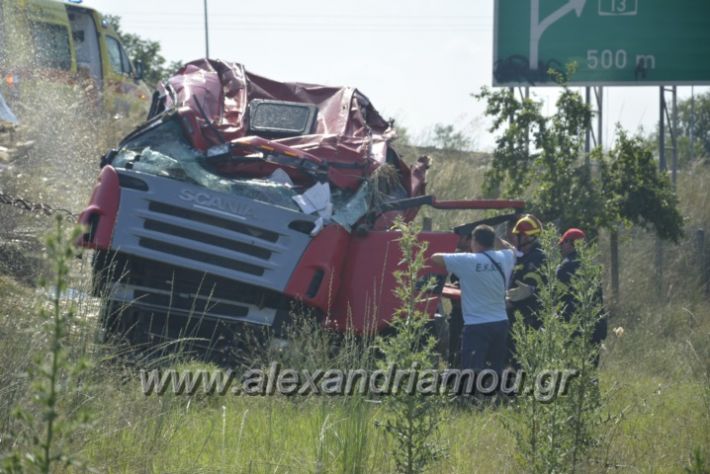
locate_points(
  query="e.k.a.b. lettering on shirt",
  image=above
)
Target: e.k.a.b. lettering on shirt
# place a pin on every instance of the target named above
(485, 267)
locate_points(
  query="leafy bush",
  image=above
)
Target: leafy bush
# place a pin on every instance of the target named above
(542, 156)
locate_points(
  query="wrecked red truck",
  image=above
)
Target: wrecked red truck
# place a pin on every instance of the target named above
(241, 196)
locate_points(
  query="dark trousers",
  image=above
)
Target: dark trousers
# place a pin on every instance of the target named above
(455, 331)
(484, 346)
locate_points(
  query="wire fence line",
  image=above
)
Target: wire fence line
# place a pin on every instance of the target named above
(34, 207)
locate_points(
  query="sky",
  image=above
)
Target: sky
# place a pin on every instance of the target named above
(418, 61)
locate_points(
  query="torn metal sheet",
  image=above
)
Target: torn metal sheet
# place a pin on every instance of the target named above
(319, 150)
(347, 132)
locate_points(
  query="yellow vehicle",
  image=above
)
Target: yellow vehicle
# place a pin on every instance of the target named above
(67, 43)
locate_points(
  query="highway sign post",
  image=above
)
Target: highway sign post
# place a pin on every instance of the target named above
(613, 42)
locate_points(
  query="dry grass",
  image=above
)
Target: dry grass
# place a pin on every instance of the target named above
(654, 377)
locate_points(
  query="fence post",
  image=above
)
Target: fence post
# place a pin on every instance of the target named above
(700, 252)
(426, 224)
(614, 244)
(659, 267)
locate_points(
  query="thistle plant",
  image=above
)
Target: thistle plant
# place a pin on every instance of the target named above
(557, 434)
(413, 416)
(54, 412)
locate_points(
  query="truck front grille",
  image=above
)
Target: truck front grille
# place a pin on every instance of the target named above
(197, 236)
(170, 210)
(199, 256)
(221, 234)
(160, 288)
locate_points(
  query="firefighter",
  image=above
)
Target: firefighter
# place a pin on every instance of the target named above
(566, 271)
(526, 279)
(522, 295)
(568, 267)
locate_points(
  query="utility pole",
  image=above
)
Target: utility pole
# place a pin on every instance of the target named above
(207, 33)
(691, 132)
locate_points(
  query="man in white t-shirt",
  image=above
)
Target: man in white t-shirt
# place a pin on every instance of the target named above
(483, 276)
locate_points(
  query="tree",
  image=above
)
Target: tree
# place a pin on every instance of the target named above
(636, 191)
(694, 120)
(543, 156)
(447, 138)
(144, 51)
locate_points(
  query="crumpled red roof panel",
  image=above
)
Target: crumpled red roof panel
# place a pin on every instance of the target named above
(350, 135)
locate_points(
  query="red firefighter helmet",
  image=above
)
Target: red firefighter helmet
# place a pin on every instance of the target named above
(572, 234)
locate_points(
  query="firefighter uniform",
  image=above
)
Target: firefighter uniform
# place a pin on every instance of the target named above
(528, 271)
(566, 271)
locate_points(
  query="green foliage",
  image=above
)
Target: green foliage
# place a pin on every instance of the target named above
(311, 346)
(144, 51)
(516, 120)
(694, 119)
(308, 345)
(542, 154)
(556, 435)
(412, 416)
(697, 464)
(447, 138)
(636, 191)
(55, 377)
(543, 157)
(134, 433)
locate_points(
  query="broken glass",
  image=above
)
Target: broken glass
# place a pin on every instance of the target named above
(349, 207)
(163, 151)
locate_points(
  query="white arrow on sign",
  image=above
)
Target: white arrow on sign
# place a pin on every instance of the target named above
(537, 28)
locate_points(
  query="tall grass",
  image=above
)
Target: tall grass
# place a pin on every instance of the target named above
(656, 421)
(57, 382)
(657, 368)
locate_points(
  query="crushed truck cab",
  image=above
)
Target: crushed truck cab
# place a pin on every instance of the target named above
(242, 196)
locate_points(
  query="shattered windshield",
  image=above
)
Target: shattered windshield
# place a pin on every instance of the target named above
(164, 151)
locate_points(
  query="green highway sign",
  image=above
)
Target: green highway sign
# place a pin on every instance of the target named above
(613, 42)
